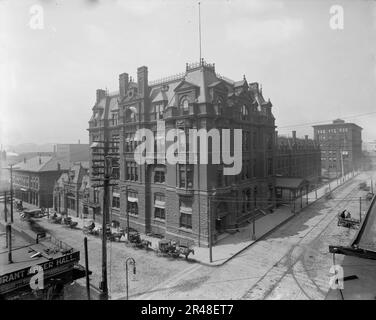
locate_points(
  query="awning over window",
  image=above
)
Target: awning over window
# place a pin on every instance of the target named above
(115, 194)
(186, 210)
(132, 199)
(159, 204)
(23, 189)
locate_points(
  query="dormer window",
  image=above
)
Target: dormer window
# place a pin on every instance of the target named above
(130, 114)
(114, 119)
(244, 112)
(157, 111)
(184, 105)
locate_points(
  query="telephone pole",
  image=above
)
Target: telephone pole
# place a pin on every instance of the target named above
(102, 167)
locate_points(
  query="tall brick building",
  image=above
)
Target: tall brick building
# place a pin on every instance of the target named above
(173, 199)
(341, 147)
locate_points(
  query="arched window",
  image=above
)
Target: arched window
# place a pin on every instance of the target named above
(184, 105)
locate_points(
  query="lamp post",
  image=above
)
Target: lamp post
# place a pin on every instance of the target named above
(131, 262)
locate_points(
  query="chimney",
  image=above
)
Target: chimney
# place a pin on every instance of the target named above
(294, 136)
(100, 95)
(123, 84)
(142, 81)
(58, 166)
(40, 159)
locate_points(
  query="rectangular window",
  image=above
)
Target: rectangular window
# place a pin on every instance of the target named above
(159, 176)
(116, 202)
(132, 207)
(159, 213)
(131, 171)
(185, 176)
(186, 220)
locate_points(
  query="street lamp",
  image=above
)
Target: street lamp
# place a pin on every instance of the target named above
(131, 262)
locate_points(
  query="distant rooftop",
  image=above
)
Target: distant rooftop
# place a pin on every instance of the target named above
(41, 164)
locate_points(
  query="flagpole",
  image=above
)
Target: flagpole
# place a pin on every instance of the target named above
(199, 26)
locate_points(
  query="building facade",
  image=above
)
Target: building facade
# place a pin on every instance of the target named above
(71, 191)
(34, 179)
(72, 152)
(297, 167)
(341, 147)
(182, 200)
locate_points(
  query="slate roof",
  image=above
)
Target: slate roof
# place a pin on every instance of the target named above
(41, 164)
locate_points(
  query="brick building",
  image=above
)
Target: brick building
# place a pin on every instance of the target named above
(297, 166)
(34, 179)
(173, 199)
(72, 152)
(341, 147)
(71, 191)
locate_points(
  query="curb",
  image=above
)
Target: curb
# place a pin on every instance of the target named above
(268, 232)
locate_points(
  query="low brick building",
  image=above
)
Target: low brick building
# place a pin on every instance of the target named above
(34, 179)
(298, 167)
(71, 191)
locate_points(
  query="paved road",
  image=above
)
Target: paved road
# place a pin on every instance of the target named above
(291, 263)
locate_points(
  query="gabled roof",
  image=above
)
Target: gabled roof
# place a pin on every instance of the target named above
(41, 164)
(185, 83)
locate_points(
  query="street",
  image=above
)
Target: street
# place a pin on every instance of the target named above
(292, 262)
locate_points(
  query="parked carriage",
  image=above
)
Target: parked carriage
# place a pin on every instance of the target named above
(347, 221)
(135, 240)
(173, 249)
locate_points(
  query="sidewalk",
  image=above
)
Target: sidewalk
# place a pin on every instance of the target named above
(232, 245)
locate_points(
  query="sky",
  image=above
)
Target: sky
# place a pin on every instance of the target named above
(311, 72)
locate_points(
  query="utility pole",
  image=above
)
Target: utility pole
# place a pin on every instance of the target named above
(11, 193)
(210, 231)
(107, 161)
(5, 207)
(127, 210)
(360, 209)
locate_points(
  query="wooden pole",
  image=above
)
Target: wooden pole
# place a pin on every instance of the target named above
(9, 237)
(210, 231)
(360, 209)
(5, 207)
(11, 193)
(87, 269)
(127, 210)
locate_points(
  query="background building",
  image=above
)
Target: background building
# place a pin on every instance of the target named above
(297, 166)
(341, 147)
(72, 152)
(174, 200)
(34, 179)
